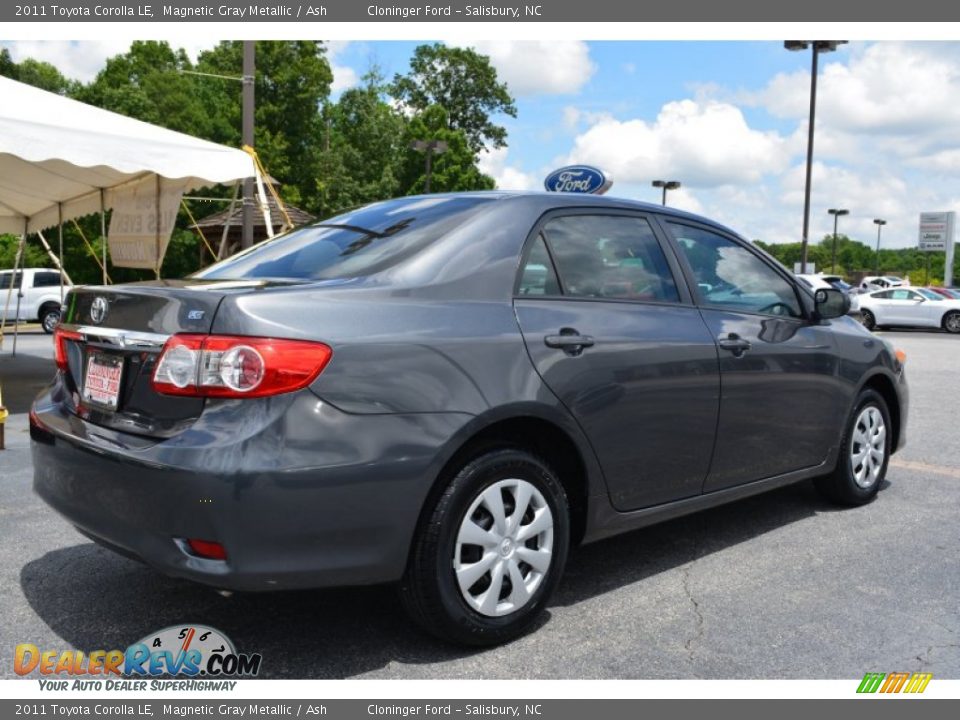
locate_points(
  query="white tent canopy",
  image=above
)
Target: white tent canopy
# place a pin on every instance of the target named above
(57, 155)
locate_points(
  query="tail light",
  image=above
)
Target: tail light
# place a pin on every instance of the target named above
(60, 339)
(207, 549)
(237, 366)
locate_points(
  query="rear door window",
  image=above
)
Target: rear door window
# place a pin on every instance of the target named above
(615, 257)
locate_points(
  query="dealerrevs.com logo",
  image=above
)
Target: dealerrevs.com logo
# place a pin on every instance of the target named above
(179, 651)
(897, 682)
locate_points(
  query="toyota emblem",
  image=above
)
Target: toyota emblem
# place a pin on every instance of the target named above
(98, 310)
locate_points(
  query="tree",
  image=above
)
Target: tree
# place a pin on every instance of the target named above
(453, 170)
(463, 83)
(292, 81)
(362, 148)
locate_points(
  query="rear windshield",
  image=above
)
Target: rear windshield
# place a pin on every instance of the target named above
(358, 243)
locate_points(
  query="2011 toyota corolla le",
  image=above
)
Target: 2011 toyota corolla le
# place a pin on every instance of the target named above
(448, 392)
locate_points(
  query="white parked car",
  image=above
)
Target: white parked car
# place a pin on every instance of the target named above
(882, 282)
(816, 282)
(38, 292)
(909, 307)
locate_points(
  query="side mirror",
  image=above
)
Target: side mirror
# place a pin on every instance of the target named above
(831, 303)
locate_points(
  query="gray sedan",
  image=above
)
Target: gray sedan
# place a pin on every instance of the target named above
(446, 393)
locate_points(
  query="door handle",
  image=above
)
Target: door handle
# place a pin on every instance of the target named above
(569, 340)
(735, 344)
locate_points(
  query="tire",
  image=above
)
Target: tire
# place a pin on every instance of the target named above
(860, 472)
(951, 322)
(868, 320)
(49, 317)
(446, 606)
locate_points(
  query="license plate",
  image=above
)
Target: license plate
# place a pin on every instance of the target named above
(101, 385)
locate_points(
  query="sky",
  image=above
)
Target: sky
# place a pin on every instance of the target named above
(727, 119)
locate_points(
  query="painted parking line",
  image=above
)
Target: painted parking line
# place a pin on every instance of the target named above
(926, 468)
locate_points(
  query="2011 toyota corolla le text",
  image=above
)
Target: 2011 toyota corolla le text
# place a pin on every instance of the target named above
(447, 392)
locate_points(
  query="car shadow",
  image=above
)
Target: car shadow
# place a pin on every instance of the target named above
(96, 600)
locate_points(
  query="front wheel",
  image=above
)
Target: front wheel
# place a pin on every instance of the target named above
(490, 554)
(868, 320)
(951, 322)
(864, 453)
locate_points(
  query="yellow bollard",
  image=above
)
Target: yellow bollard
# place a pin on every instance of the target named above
(3, 420)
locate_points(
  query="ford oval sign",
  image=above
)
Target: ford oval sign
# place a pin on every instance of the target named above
(578, 179)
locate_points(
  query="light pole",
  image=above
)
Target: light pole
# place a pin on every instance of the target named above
(836, 214)
(431, 148)
(879, 223)
(666, 185)
(818, 46)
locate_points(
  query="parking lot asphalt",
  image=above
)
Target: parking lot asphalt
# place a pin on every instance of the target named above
(782, 585)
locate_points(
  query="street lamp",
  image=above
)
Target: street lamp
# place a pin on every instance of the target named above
(666, 185)
(431, 148)
(836, 214)
(819, 46)
(879, 223)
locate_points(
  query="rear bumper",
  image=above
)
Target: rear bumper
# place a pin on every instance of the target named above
(299, 493)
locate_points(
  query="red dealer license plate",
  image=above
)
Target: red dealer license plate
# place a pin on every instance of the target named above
(102, 382)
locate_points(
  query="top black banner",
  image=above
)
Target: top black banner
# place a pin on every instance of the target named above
(239, 11)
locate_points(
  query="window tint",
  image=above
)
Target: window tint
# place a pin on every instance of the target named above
(930, 294)
(46, 279)
(903, 295)
(5, 280)
(610, 256)
(538, 276)
(358, 243)
(729, 275)
(883, 295)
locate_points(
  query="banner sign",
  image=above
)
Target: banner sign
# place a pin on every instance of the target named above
(144, 214)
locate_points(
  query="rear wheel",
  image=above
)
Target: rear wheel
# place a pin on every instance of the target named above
(489, 556)
(951, 322)
(868, 320)
(864, 453)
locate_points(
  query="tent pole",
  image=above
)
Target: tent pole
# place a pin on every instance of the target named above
(60, 263)
(156, 268)
(18, 266)
(53, 257)
(13, 277)
(103, 234)
(226, 226)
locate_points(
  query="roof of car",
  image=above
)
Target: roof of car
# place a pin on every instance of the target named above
(560, 199)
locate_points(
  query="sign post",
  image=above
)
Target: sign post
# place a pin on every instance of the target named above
(936, 235)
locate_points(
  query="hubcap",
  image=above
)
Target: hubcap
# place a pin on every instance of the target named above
(868, 446)
(504, 547)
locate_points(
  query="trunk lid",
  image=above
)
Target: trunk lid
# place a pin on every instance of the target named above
(120, 332)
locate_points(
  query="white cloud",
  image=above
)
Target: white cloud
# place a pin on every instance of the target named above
(82, 60)
(344, 77)
(540, 67)
(906, 96)
(75, 60)
(701, 144)
(507, 177)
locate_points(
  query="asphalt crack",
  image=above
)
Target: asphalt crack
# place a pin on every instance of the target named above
(698, 635)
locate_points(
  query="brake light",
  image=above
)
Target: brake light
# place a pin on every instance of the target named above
(237, 366)
(60, 339)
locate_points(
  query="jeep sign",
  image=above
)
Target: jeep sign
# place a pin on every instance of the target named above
(578, 179)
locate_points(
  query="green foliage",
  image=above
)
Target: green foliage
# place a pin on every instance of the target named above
(454, 169)
(858, 257)
(465, 84)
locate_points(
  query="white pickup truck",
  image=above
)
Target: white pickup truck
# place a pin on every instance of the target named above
(38, 292)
